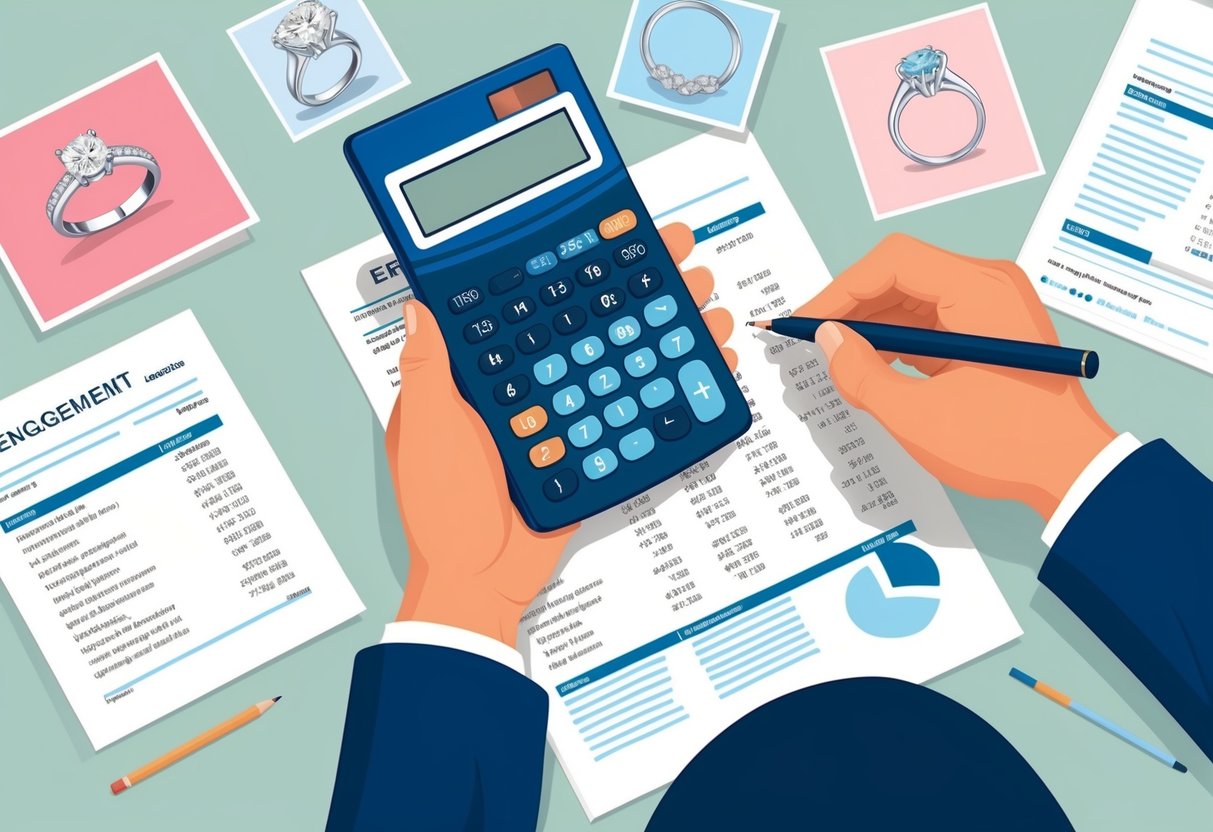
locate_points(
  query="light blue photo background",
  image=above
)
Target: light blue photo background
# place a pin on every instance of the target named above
(377, 74)
(694, 42)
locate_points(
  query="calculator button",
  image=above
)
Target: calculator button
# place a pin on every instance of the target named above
(511, 390)
(656, 393)
(569, 400)
(560, 485)
(624, 331)
(631, 252)
(661, 311)
(588, 350)
(600, 463)
(701, 390)
(642, 284)
(604, 381)
(672, 424)
(541, 263)
(551, 369)
(496, 359)
(465, 300)
(548, 452)
(554, 293)
(607, 302)
(533, 339)
(531, 420)
(636, 444)
(477, 331)
(573, 246)
(569, 321)
(618, 413)
(516, 310)
(640, 363)
(593, 272)
(586, 432)
(618, 223)
(677, 342)
(508, 279)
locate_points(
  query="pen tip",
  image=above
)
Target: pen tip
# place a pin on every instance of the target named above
(276, 698)
(1180, 767)
(759, 324)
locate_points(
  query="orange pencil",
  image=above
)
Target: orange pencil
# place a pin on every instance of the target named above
(201, 741)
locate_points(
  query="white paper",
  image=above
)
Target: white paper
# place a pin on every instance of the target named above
(1124, 239)
(714, 560)
(148, 534)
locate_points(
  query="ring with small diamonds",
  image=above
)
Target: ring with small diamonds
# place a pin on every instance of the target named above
(86, 159)
(307, 32)
(671, 80)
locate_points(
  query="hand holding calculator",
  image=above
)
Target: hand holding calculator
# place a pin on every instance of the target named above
(568, 327)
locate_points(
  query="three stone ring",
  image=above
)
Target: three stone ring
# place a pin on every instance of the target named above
(86, 159)
(307, 32)
(671, 80)
(925, 72)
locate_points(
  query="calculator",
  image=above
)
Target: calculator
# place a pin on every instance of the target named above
(569, 328)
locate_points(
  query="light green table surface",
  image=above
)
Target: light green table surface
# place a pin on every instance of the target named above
(257, 311)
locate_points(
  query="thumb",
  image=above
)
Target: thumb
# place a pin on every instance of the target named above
(424, 365)
(862, 377)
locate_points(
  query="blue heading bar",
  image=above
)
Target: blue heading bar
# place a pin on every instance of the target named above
(728, 223)
(1085, 232)
(1168, 106)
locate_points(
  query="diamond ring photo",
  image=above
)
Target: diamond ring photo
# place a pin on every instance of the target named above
(87, 159)
(925, 72)
(671, 80)
(306, 33)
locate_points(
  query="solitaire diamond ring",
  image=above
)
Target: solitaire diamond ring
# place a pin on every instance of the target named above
(671, 80)
(925, 72)
(307, 32)
(87, 158)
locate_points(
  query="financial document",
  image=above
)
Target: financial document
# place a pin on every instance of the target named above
(149, 537)
(1124, 239)
(812, 548)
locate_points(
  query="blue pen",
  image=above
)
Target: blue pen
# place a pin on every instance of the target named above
(1089, 715)
(1004, 352)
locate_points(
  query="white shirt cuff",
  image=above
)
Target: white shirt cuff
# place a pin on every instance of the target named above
(1097, 470)
(444, 635)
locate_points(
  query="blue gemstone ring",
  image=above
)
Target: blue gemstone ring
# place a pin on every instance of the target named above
(925, 72)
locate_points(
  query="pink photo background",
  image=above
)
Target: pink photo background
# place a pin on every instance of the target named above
(866, 82)
(193, 204)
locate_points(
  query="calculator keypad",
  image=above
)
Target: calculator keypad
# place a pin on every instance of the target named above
(588, 350)
(551, 369)
(604, 303)
(517, 310)
(534, 339)
(496, 359)
(569, 321)
(661, 311)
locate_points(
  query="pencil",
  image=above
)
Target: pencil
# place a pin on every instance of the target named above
(1089, 715)
(201, 741)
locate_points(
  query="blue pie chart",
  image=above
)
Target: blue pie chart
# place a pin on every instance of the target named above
(905, 614)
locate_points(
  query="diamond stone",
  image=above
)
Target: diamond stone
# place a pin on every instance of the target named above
(920, 62)
(84, 155)
(306, 26)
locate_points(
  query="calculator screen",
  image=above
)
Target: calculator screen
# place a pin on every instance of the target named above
(494, 172)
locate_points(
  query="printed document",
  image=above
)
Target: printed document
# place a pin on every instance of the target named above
(812, 548)
(1124, 239)
(149, 536)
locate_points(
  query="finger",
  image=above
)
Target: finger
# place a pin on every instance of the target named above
(720, 324)
(679, 239)
(862, 377)
(424, 366)
(730, 357)
(700, 282)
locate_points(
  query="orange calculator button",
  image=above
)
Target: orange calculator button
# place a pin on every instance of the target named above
(547, 452)
(531, 420)
(616, 224)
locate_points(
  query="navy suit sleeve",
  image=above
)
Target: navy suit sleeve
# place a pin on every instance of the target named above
(1135, 563)
(439, 739)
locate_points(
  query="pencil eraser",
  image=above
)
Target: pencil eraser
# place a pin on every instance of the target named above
(118, 786)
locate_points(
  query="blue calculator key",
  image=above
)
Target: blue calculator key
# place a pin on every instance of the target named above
(600, 463)
(533, 339)
(516, 310)
(701, 390)
(593, 272)
(511, 390)
(636, 444)
(569, 321)
(672, 424)
(573, 246)
(624, 331)
(631, 252)
(541, 263)
(560, 485)
(621, 411)
(477, 331)
(656, 393)
(496, 359)
(677, 342)
(642, 284)
(603, 382)
(508, 279)
(465, 300)
(568, 400)
(661, 311)
(586, 432)
(588, 350)
(551, 369)
(640, 363)
(555, 292)
(607, 302)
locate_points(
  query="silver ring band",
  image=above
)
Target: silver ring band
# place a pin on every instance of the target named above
(926, 73)
(296, 66)
(706, 84)
(305, 33)
(82, 173)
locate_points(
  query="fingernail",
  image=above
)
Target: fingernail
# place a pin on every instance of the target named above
(829, 336)
(410, 318)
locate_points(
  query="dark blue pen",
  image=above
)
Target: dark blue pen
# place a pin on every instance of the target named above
(1023, 355)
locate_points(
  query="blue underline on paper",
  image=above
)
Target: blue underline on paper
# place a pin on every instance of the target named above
(702, 197)
(379, 301)
(167, 408)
